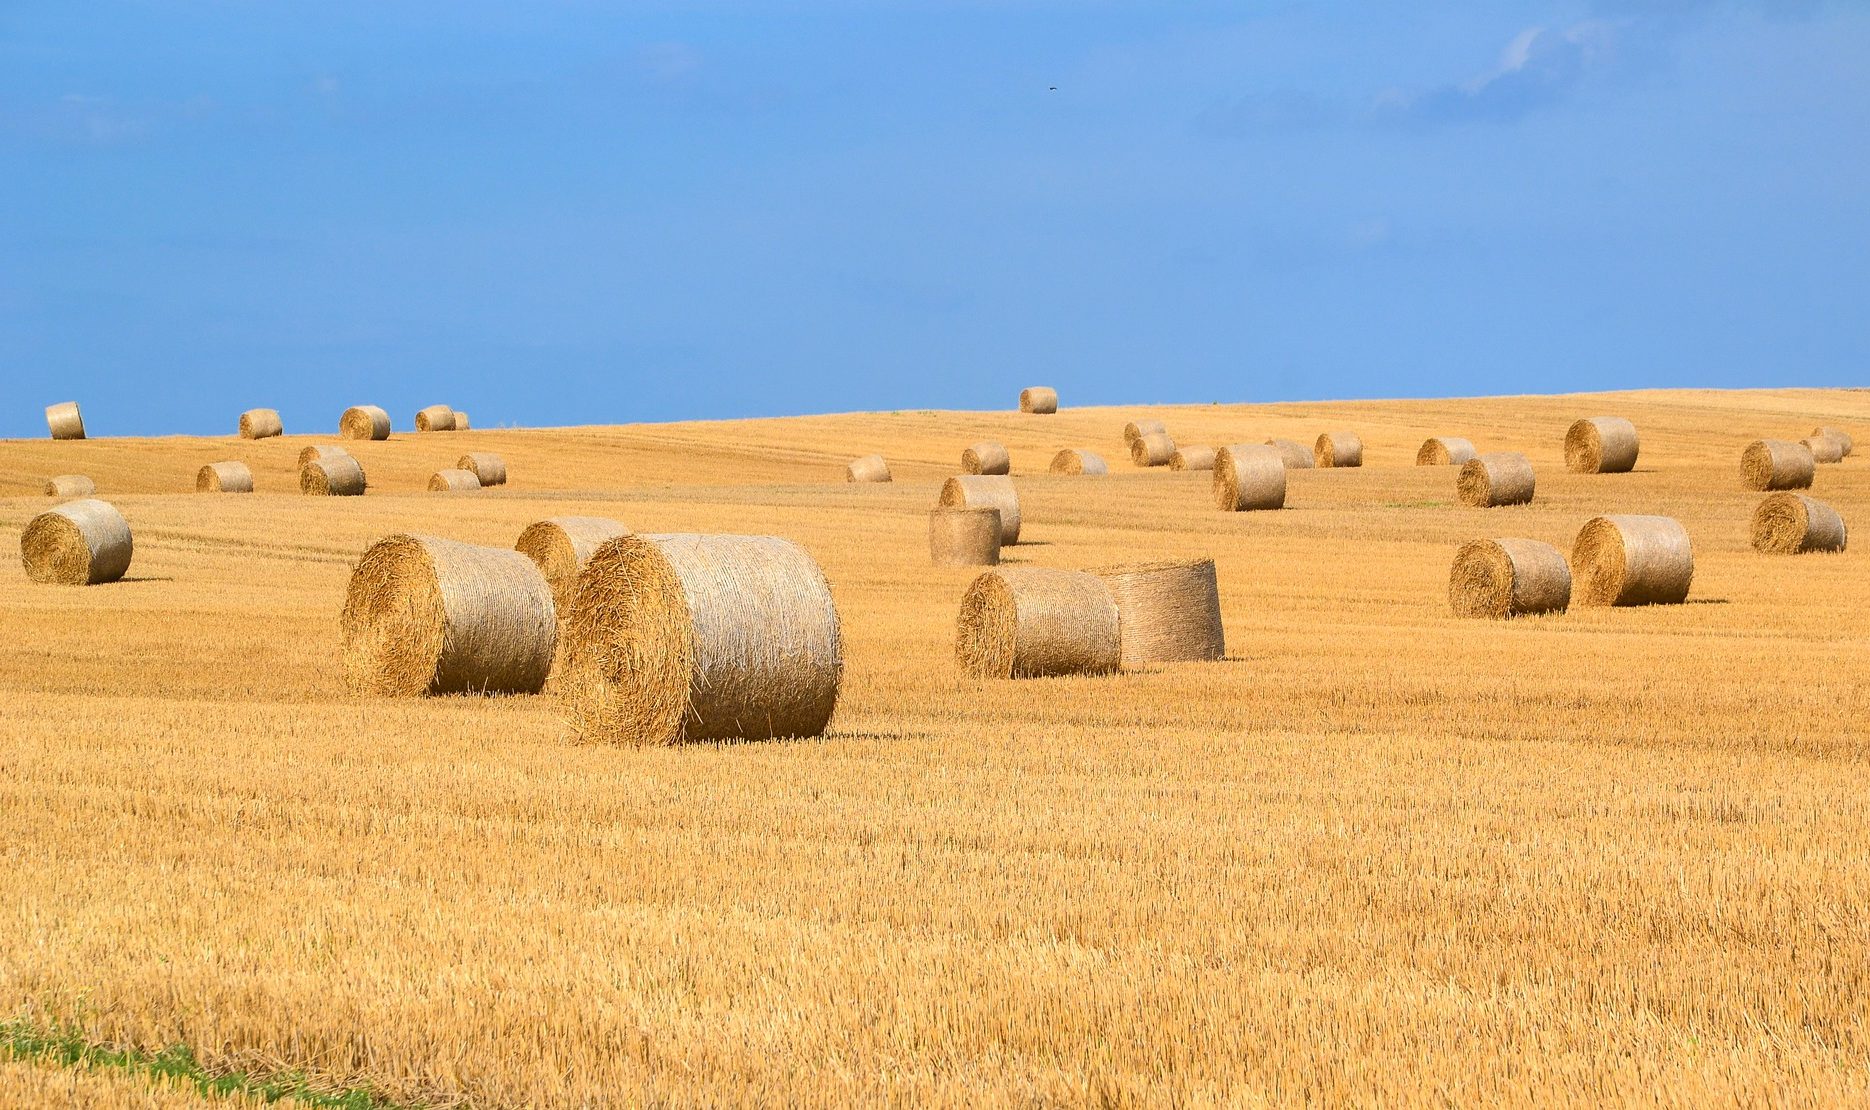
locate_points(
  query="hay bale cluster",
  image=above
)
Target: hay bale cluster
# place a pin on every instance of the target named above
(80, 543)
(364, 422)
(870, 468)
(1034, 622)
(1444, 451)
(561, 546)
(1632, 560)
(984, 491)
(1249, 477)
(1843, 437)
(1071, 461)
(964, 537)
(1167, 612)
(1038, 399)
(261, 424)
(1792, 524)
(1601, 445)
(1769, 464)
(1508, 578)
(224, 477)
(986, 457)
(1496, 478)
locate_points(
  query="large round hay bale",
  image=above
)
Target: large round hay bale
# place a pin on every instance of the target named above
(431, 616)
(961, 537)
(70, 485)
(1168, 612)
(435, 418)
(1154, 449)
(321, 451)
(562, 545)
(79, 543)
(1137, 429)
(1508, 578)
(462, 422)
(1839, 434)
(1293, 453)
(1824, 449)
(332, 476)
(485, 465)
(1496, 478)
(1338, 449)
(1632, 560)
(224, 477)
(677, 638)
(1192, 458)
(986, 457)
(1071, 461)
(1444, 451)
(1249, 476)
(986, 492)
(1792, 523)
(1601, 445)
(870, 468)
(260, 424)
(1038, 398)
(1031, 622)
(364, 422)
(1769, 464)
(453, 480)
(64, 420)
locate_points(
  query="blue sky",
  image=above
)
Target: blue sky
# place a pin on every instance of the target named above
(558, 213)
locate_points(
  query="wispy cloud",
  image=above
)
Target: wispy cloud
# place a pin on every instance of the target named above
(1538, 67)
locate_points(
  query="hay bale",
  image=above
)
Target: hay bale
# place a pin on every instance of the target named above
(260, 424)
(320, 451)
(1601, 445)
(453, 480)
(986, 492)
(1168, 612)
(962, 537)
(986, 457)
(1338, 449)
(333, 476)
(1137, 429)
(1079, 462)
(562, 545)
(435, 418)
(1249, 476)
(1293, 453)
(1842, 436)
(65, 420)
(224, 477)
(1444, 451)
(1039, 399)
(1824, 449)
(1031, 622)
(870, 468)
(1154, 449)
(1769, 464)
(1632, 560)
(1508, 578)
(431, 616)
(79, 543)
(70, 485)
(1192, 458)
(678, 638)
(462, 423)
(1496, 478)
(1792, 523)
(364, 422)
(485, 465)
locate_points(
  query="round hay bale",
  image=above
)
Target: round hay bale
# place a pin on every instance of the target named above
(462, 423)
(1496, 478)
(1824, 449)
(79, 543)
(1338, 449)
(1249, 476)
(70, 485)
(433, 616)
(962, 537)
(986, 458)
(1079, 462)
(1167, 612)
(333, 476)
(986, 492)
(1137, 429)
(1154, 449)
(1769, 464)
(224, 477)
(870, 468)
(320, 451)
(435, 418)
(1601, 445)
(562, 545)
(1792, 523)
(1508, 578)
(364, 422)
(1444, 451)
(1294, 454)
(485, 465)
(453, 480)
(65, 420)
(1843, 437)
(678, 638)
(260, 424)
(1039, 399)
(1031, 622)
(1632, 560)
(1192, 458)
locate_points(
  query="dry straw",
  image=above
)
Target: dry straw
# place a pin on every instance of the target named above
(462, 423)
(1769, 464)
(1508, 578)
(986, 457)
(260, 424)
(224, 477)
(964, 537)
(320, 451)
(332, 476)
(1071, 461)
(1792, 523)
(1632, 560)
(870, 468)
(1167, 612)
(1249, 476)
(1038, 398)
(65, 420)
(453, 480)
(1496, 478)
(1031, 622)
(1137, 429)
(562, 545)
(1839, 434)
(435, 418)
(1601, 445)
(1192, 458)
(678, 638)
(1338, 449)
(364, 422)
(1444, 451)
(433, 616)
(485, 465)
(1825, 449)
(1293, 453)
(1154, 449)
(70, 485)
(986, 492)
(79, 543)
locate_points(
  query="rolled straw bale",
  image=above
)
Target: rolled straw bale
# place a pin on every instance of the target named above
(1038, 398)
(321, 451)
(1632, 560)
(1249, 476)
(1769, 464)
(435, 418)
(986, 491)
(224, 477)
(1824, 449)
(1842, 436)
(332, 476)
(1192, 458)
(961, 537)
(1167, 612)
(79, 543)
(1508, 578)
(1792, 523)
(677, 638)
(1496, 478)
(986, 457)
(1071, 461)
(1444, 451)
(433, 616)
(1294, 453)
(70, 485)
(1030, 622)
(870, 468)
(1154, 449)
(453, 480)
(364, 422)
(1601, 445)
(1338, 449)
(487, 466)
(562, 545)
(260, 424)
(462, 423)
(1137, 429)
(65, 420)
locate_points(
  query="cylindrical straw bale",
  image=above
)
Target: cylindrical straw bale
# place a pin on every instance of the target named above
(1038, 398)
(485, 465)
(435, 418)
(870, 468)
(986, 457)
(677, 638)
(1167, 612)
(224, 477)
(79, 543)
(1508, 578)
(562, 545)
(1294, 454)
(65, 420)
(333, 476)
(960, 537)
(1496, 478)
(1792, 523)
(1249, 476)
(1632, 560)
(453, 480)
(462, 422)
(1154, 449)
(1769, 464)
(433, 616)
(321, 451)
(1444, 451)
(1031, 622)
(1338, 449)
(70, 485)
(1839, 434)
(1071, 461)
(260, 424)
(1601, 445)
(364, 422)
(1825, 449)
(1192, 458)
(988, 492)
(1137, 429)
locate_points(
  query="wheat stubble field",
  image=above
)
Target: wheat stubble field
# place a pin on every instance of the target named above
(1377, 855)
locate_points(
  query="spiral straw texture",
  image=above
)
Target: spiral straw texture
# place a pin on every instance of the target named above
(1034, 622)
(1508, 578)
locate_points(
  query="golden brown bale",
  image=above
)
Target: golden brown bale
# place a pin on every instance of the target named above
(1031, 622)
(1769, 464)
(1444, 451)
(1248, 477)
(321, 451)
(964, 537)
(364, 422)
(435, 418)
(1038, 399)
(990, 492)
(1192, 458)
(64, 420)
(870, 468)
(1792, 523)
(1137, 429)
(1496, 478)
(1293, 453)
(79, 543)
(260, 424)
(1842, 436)
(986, 458)
(1508, 578)
(1632, 560)
(1338, 449)
(70, 485)
(453, 480)
(332, 476)
(484, 465)
(1154, 449)
(1079, 462)
(1825, 449)
(561, 546)
(1601, 445)
(1167, 612)
(224, 477)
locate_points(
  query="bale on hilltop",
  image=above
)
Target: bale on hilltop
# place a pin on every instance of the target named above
(332, 476)
(1508, 578)
(364, 422)
(1137, 429)
(1070, 461)
(1038, 399)
(963, 537)
(1769, 464)
(224, 477)
(1839, 434)
(1033, 622)
(462, 423)
(870, 468)
(1249, 476)
(1824, 449)
(1601, 445)
(65, 421)
(453, 480)
(435, 418)
(1167, 612)
(70, 485)
(79, 543)
(260, 424)
(322, 451)
(1444, 451)
(1792, 523)
(986, 457)
(484, 465)
(561, 546)
(986, 491)
(1192, 458)
(1334, 449)
(1154, 449)
(1496, 478)
(1632, 560)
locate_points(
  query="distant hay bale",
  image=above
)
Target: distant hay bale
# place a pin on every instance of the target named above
(561, 546)
(1444, 451)
(70, 485)
(1293, 453)
(1632, 560)
(1825, 449)
(321, 451)
(1192, 458)
(962, 537)
(260, 424)
(1249, 476)
(1601, 445)
(1792, 523)
(1137, 429)
(332, 476)
(435, 418)
(986, 457)
(224, 477)
(65, 420)
(1769, 464)
(1496, 478)
(1333, 449)
(79, 543)
(678, 638)
(431, 616)
(364, 422)
(462, 423)
(986, 492)
(485, 465)
(1508, 578)
(870, 468)
(1039, 399)
(1838, 434)
(1071, 461)
(453, 480)
(1033, 622)
(1168, 612)
(1154, 449)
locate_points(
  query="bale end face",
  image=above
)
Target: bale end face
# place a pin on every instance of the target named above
(1770, 464)
(1496, 579)
(1632, 560)
(1336, 449)
(1792, 524)
(1038, 399)
(1036, 622)
(79, 543)
(364, 422)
